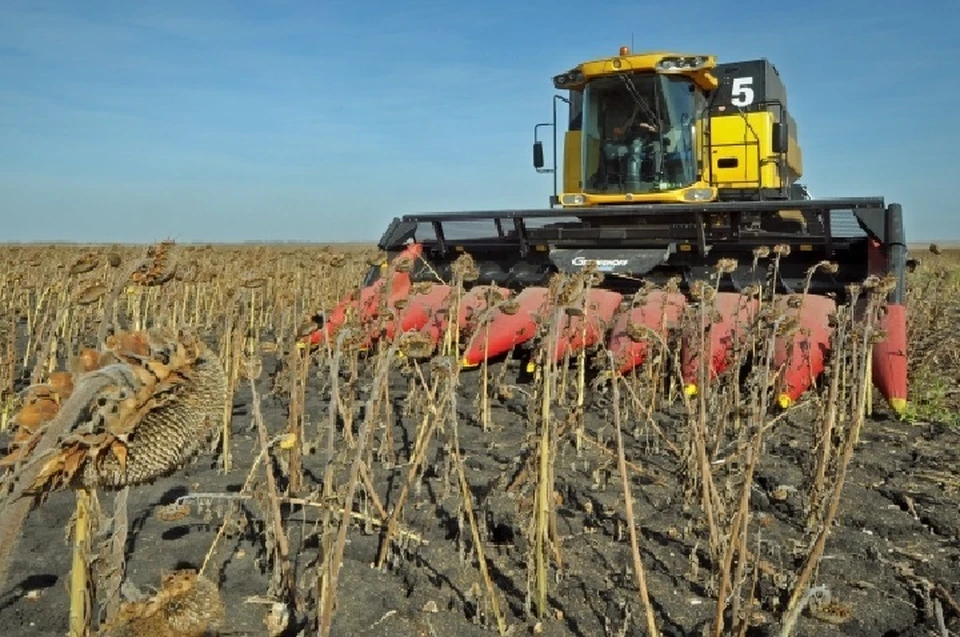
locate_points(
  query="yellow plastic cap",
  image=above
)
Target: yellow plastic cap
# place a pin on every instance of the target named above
(690, 390)
(784, 401)
(531, 367)
(899, 405)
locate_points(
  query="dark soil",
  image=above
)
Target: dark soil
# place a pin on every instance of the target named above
(895, 540)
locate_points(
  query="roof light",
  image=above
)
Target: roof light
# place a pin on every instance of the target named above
(624, 50)
(688, 63)
(574, 76)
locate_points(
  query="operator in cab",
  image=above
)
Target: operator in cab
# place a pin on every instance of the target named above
(632, 149)
(633, 124)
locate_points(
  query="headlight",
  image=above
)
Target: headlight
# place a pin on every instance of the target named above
(698, 194)
(573, 200)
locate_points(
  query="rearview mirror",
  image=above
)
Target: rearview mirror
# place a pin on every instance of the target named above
(779, 141)
(538, 155)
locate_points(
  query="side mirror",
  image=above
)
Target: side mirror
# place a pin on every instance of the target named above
(779, 141)
(538, 155)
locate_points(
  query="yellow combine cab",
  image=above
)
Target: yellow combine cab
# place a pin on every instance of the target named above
(668, 127)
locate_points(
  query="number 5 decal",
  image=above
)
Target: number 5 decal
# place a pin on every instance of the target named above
(742, 91)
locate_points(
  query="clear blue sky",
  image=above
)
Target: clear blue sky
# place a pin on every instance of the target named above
(293, 120)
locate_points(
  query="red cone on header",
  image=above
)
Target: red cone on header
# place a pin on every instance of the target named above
(633, 330)
(473, 303)
(727, 319)
(801, 353)
(422, 303)
(583, 331)
(890, 358)
(889, 355)
(512, 324)
(367, 302)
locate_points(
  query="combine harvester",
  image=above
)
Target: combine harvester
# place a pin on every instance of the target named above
(675, 167)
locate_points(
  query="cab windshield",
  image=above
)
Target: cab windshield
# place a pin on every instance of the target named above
(638, 134)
